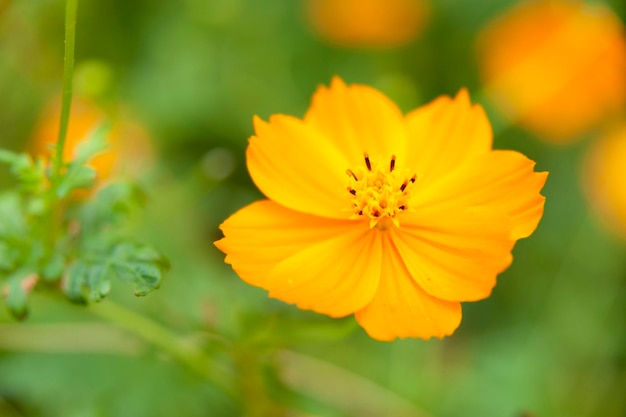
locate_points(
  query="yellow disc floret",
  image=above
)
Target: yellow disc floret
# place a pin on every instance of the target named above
(379, 192)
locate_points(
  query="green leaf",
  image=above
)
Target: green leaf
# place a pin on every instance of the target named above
(74, 282)
(16, 294)
(142, 265)
(99, 281)
(77, 177)
(12, 222)
(8, 256)
(94, 143)
(30, 173)
(112, 205)
(53, 267)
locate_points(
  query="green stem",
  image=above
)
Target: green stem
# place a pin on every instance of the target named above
(184, 351)
(71, 7)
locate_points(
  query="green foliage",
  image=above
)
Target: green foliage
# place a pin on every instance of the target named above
(63, 241)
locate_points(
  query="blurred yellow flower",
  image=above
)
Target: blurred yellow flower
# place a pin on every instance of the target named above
(129, 151)
(367, 23)
(604, 177)
(395, 219)
(558, 67)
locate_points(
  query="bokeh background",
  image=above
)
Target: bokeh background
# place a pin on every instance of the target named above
(181, 81)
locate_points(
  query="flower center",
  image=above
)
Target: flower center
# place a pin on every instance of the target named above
(379, 192)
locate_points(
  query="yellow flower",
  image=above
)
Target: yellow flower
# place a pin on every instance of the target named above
(367, 23)
(395, 219)
(604, 176)
(129, 152)
(558, 67)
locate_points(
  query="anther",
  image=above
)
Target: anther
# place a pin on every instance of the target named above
(367, 161)
(352, 191)
(404, 184)
(350, 173)
(392, 165)
(402, 207)
(413, 178)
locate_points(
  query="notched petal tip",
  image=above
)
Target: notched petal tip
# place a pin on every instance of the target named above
(337, 82)
(463, 96)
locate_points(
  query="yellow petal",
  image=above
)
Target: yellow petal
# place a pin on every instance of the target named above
(297, 168)
(502, 180)
(336, 277)
(260, 236)
(446, 133)
(455, 255)
(358, 119)
(326, 265)
(401, 308)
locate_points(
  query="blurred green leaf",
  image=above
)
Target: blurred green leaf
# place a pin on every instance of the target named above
(13, 225)
(15, 293)
(77, 177)
(29, 173)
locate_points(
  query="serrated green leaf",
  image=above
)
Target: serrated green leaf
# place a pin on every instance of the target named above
(94, 143)
(12, 223)
(8, 256)
(146, 277)
(29, 172)
(53, 267)
(74, 282)
(99, 281)
(77, 177)
(149, 278)
(16, 295)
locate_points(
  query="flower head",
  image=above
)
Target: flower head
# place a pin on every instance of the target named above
(395, 219)
(129, 149)
(604, 176)
(557, 67)
(367, 23)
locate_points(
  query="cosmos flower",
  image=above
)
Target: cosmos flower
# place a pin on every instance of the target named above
(367, 23)
(604, 175)
(557, 67)
(395, 219)
(130, 151)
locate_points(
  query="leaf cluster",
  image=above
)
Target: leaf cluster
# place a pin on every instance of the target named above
(59, 233)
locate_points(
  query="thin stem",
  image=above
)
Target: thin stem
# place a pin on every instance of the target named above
(184, 351)
(71, 7)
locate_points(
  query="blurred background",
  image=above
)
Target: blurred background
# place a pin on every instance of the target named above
(181, 80)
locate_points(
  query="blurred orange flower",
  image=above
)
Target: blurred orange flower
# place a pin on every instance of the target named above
(367, 23)
(396, 219)
(604, 176)
(129, 149)
(557, 67)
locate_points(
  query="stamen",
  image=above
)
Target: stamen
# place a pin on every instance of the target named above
(380, 193)
(367, 161)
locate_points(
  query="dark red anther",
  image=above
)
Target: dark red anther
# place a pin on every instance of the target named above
(367, 161)
(392, 164)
